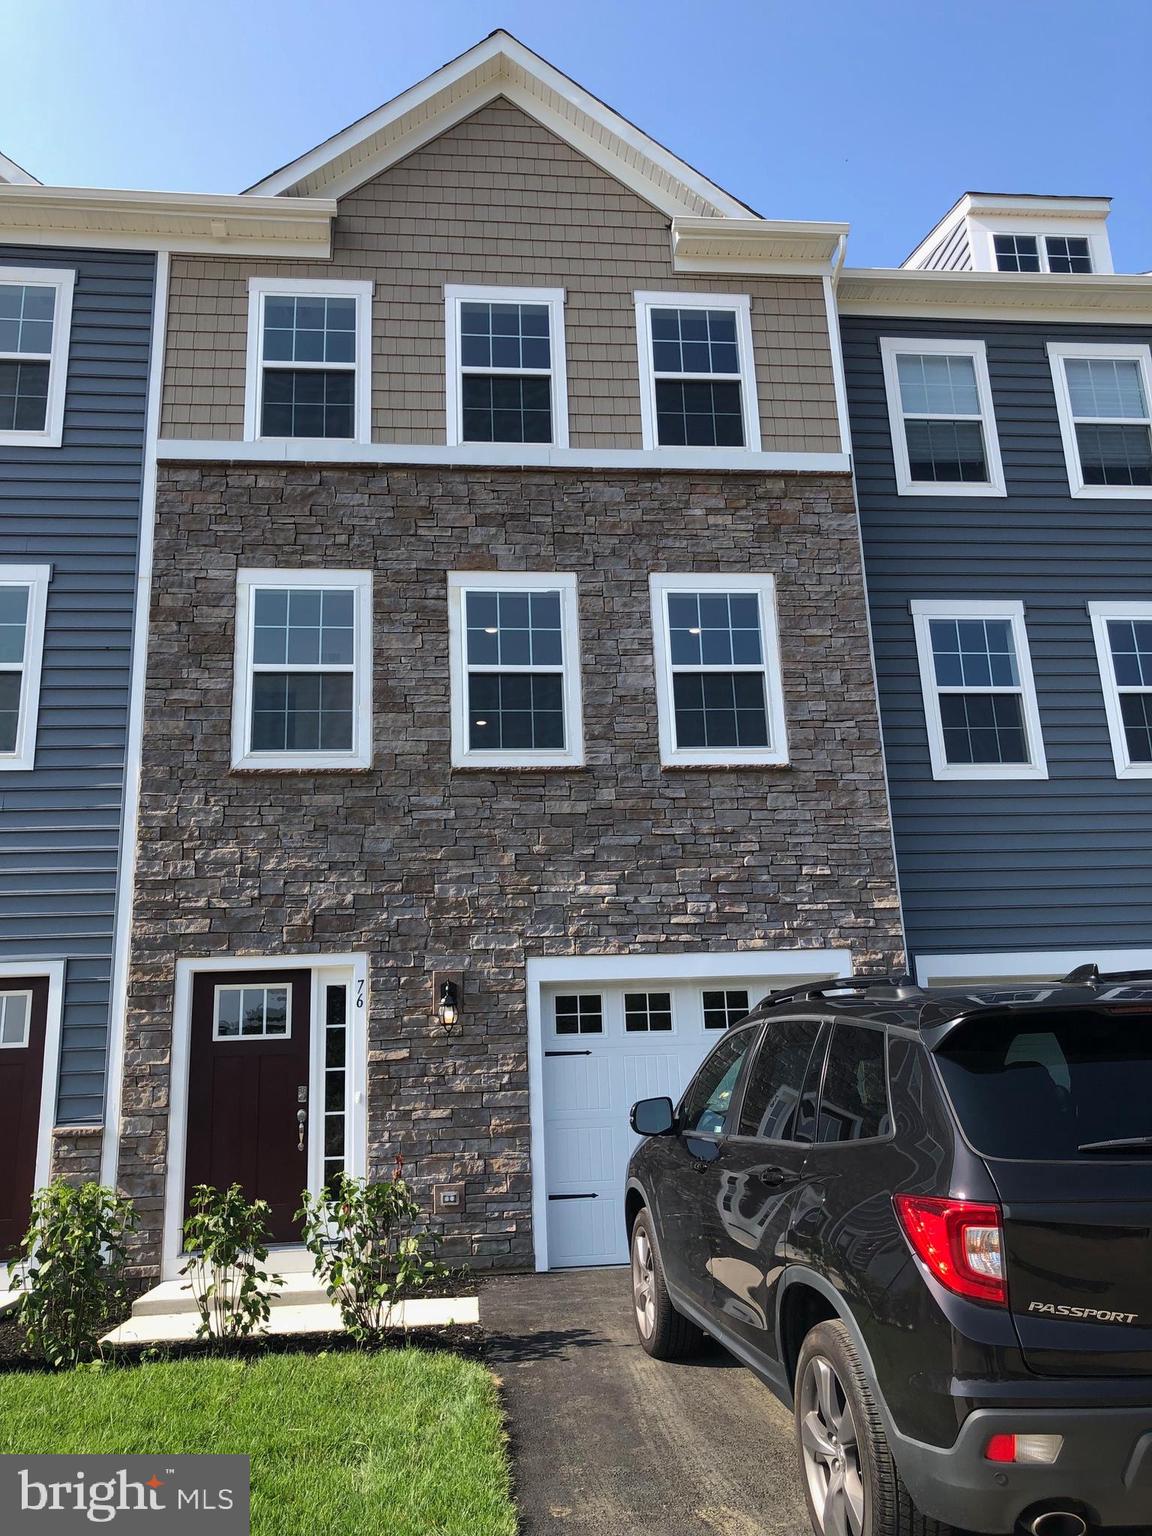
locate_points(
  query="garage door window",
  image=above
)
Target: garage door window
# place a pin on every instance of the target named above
(580, 1013)
(647, 1011)
(723, 1009)
(706, 1103)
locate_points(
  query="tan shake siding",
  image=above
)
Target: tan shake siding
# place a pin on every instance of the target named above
(499, 200)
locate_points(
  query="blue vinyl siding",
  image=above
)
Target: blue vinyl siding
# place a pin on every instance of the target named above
(77, 508)
(1006, 865)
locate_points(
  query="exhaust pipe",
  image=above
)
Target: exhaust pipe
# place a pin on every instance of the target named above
(1059, 1522)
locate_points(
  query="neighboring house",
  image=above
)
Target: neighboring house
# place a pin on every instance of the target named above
(510, 721)
(78, 411)
(1000, 390)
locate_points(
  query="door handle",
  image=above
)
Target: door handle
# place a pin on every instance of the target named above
(774, 1177)
(301, 1123)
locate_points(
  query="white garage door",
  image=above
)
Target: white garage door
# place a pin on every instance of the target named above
(604, 1047)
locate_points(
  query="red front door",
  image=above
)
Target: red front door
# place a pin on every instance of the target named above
(248, 1081)
(23, 1021)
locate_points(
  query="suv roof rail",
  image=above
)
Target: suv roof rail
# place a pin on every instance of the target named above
(1091, 976)
(901, 982)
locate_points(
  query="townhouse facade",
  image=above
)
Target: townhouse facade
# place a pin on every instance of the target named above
(510, 723)
(1000, 391)
(439, 675)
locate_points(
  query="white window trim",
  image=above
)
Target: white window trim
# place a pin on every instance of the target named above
(564, 582)
(741, 305)
(924, 610)
(762, 587)
(17, 1045)
(1058, 353)
(36, 579)
(64, 281)
(239, 986)
(1100, 614)
(456, 294)
(892, 347)
(261, 288)
(360, 756)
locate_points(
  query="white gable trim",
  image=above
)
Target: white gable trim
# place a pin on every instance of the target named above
(502, 66)
(15, 175)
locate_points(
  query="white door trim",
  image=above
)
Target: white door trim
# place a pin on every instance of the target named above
(322, 967)
(816, 964)
(50, 1072)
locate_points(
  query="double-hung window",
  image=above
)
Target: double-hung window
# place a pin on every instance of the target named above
(23, 599)
(1051, 253)
(717, 670)
(35, 321)
(944, 439)
(1123, 632)
(1104, 401)
(507, 379)
(515, 670)
(303, 685)
(697, 375)
(309, 359)
(979, 694)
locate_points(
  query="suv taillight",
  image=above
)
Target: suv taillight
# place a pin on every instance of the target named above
(960, 1241)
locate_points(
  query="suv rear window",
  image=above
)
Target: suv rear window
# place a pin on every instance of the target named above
(1041, 1086)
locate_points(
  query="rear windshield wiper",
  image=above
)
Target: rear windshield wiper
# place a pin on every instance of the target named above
(1124, 1144)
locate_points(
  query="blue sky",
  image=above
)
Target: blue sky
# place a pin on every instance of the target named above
(880, 112)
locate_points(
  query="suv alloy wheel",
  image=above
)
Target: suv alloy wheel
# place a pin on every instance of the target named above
(663, 1332)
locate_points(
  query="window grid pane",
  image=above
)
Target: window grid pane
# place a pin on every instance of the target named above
(699, 414)
(722, 1009)
(695, 341)
(15, 1019)
(303, 626)
(1068, 253)
(308, 403)
(11, 687)
(647, 1012)
(980, 694)
(306, 329)
(580, 1013)
(302, 712)
(506, 362)
(943, 421)
(13, 624)
(23, 396)
(1130, 644)
(719, 684)
(1017, 253)
(515, 659)
(983, 728)
(251, 1012)
(27, 316)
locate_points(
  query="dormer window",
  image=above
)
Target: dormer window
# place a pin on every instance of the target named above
(1017, 253)
(1052, 253)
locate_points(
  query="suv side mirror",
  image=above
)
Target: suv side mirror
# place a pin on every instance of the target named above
(653, 1117)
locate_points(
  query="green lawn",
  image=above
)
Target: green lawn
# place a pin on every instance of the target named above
(399, 1443)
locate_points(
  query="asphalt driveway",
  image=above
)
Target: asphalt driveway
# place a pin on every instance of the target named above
(607, 1441)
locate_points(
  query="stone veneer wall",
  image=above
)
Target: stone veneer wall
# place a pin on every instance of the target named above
(428, 868)
(76, 1153)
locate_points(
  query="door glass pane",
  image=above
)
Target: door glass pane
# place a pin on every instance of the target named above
(706, 1103)
(776, 1081)
(14, 1019)
(854, 1102)
(335, 1097)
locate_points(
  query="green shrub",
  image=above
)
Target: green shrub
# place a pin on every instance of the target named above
(71, 1269)
(226, 1238)
(367, 1252)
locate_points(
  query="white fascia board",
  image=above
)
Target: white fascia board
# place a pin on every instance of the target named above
(1023, 965)
(498, 455)
(774, 247)
(502, 66)
(1097, 297)
(819, 964)
(175, 221)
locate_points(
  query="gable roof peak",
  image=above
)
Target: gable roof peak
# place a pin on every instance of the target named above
(15, 175)
(500, 65)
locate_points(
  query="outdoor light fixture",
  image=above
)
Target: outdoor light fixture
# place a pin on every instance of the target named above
(448, 1008)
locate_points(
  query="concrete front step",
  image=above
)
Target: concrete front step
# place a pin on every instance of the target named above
(173, 1297)
(294, 1317)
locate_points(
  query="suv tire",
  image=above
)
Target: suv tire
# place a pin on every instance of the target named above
(850, 1481)
(663, 1332)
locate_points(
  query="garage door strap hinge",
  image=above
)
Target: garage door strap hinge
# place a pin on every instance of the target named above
(567, 1053)
(573, 1197)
